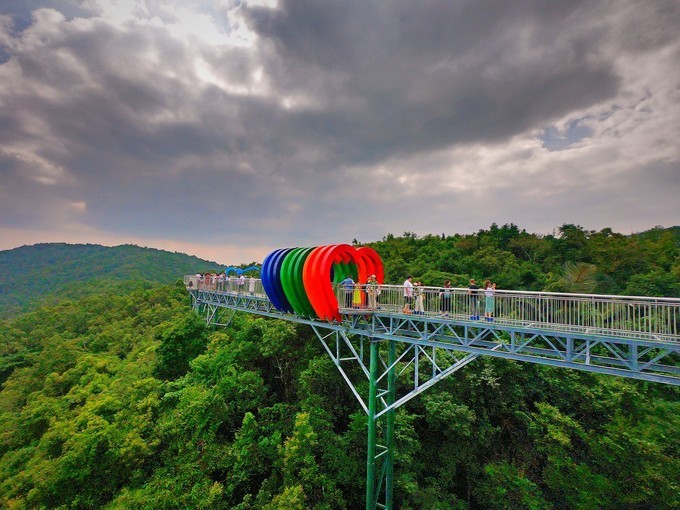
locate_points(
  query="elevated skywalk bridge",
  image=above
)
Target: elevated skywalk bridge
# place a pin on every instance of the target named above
(400, 352)
(629, 336)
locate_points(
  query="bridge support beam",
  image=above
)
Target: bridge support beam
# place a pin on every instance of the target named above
(371, 485)
(389, 432)
(380, 457)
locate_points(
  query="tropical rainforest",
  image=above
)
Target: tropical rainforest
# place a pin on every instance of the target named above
(116, 395)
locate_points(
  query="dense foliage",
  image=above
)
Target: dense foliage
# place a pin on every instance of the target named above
(571, 260)
(128, 401)
(49, 272)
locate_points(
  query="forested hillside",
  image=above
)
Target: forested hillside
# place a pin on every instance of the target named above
(573, 259)
(53, 271)
(122, 400)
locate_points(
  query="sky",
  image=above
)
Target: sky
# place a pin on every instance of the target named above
(226, 129)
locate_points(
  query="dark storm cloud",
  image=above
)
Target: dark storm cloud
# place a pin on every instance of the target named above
(335, 118)
(415, 77)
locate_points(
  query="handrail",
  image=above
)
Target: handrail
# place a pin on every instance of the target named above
(634, 317)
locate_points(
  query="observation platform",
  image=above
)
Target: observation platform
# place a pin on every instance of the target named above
(629, 336)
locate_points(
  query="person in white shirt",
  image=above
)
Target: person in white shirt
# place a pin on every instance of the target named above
(372, 290)
(408, 294)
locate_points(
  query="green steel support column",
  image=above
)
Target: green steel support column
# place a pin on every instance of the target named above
(372, 403)
(389, 433)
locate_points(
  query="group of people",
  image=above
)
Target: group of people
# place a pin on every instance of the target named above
(215, 281)
(414, 293)
(489, 290)
(353, 297)
(414, 296)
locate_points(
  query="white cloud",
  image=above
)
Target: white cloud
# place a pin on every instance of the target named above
(298, 124)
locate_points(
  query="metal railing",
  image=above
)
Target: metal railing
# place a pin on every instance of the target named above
(593, 314)
(231, 285)
(635, 317)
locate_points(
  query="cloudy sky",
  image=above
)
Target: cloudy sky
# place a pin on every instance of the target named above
(227, 128)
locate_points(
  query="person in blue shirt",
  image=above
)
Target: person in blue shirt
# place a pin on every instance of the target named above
(348, 284)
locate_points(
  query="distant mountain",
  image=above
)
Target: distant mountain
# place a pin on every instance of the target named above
(52, 271)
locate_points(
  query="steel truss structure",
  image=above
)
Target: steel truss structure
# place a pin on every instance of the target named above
(387, 359)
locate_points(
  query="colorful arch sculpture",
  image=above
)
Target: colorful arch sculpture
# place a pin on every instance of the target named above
(299, 280)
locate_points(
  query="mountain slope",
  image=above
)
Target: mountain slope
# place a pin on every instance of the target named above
(32, 274)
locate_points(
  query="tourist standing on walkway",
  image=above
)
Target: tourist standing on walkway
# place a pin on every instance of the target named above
(472, 295)
(418, 290)
(357, 297)
(348, 285)
(445, 298)
(489, 304)
(372, 292)
(408, 294)
(251, 286)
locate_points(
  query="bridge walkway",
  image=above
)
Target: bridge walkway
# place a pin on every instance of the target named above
(630, 336)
